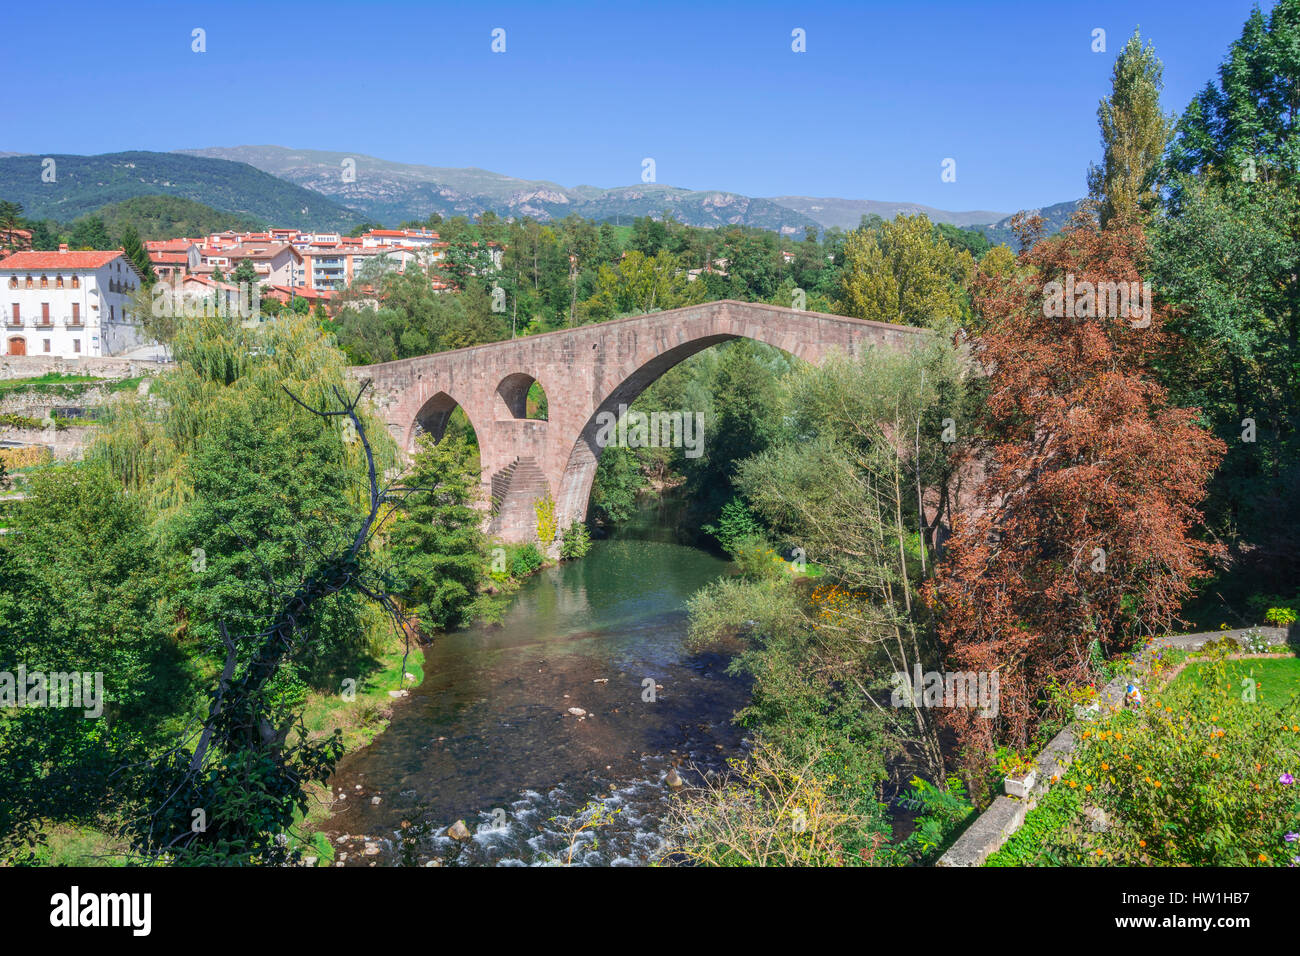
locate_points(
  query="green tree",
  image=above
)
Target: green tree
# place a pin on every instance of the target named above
(245, 271)
(135, 251)
(89, 232)
(437, 549)
(83, 589)
(905, 272)
(1134, 133)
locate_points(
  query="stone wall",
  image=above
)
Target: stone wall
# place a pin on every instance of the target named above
(32, 366)
(67, 444)
(1004, 816)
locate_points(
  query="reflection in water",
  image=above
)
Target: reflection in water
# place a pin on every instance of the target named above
(489, 736)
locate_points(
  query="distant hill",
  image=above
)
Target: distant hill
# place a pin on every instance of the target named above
(87, 183)
(392, 192)
(1055, 217)
(847, 213)
(166, 217)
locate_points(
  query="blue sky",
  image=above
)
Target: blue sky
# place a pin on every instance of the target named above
(713, 92)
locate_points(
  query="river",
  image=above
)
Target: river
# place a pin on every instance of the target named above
(489, 738)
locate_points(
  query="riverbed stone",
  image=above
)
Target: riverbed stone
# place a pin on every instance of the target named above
(458, 831)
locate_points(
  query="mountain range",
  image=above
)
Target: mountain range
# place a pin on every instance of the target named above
(323, 190)
(386, 191)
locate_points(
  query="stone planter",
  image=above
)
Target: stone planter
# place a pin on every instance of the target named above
(1020, 786)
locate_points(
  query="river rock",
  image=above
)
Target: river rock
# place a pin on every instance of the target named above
(372, 849)
(399, 693)
(577, 712)
(375, 801)
(674, 779)
(310, 860)
(458, 831)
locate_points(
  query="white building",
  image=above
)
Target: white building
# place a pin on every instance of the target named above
(69, 304)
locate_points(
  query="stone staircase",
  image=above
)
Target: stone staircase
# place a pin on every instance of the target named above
(514, 490)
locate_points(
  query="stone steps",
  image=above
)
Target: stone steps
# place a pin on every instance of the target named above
(514, 490)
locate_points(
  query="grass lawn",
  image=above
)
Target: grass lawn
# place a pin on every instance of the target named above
(1276, 679)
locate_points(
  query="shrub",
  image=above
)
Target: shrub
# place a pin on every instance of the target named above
(758, 562)
(546, 527)
(772, 811)
(524, 559)
(1280, 616)
(737, 526)
(576, 541)
(943, 811)
(26, 456)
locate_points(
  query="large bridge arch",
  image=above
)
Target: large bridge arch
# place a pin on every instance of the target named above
(579, 473)
(584, 371)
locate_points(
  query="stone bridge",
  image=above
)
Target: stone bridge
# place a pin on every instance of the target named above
(584, 371)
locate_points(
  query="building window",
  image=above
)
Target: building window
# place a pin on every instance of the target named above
(76, 345)
(29, 282)
(46, 344)
(45, 282)
(45, 313)
(76, 282)
(17, 319)
(111, 316)
(58, 282)
(76, 313)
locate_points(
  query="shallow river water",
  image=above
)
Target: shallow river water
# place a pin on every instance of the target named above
(488, 738)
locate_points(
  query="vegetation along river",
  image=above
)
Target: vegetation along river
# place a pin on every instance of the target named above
(489, 738)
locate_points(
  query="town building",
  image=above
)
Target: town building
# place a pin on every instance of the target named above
(70, 304)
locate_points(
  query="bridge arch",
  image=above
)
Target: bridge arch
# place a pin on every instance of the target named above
(513, 392)
(433, 417)
(580, 469)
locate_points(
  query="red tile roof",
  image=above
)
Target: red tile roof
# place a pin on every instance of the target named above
(61, 260)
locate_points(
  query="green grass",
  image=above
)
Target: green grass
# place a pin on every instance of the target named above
(52, 382)
(1276, 679)
(361, 721)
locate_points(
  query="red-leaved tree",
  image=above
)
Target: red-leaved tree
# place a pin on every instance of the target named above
(1083, 528)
